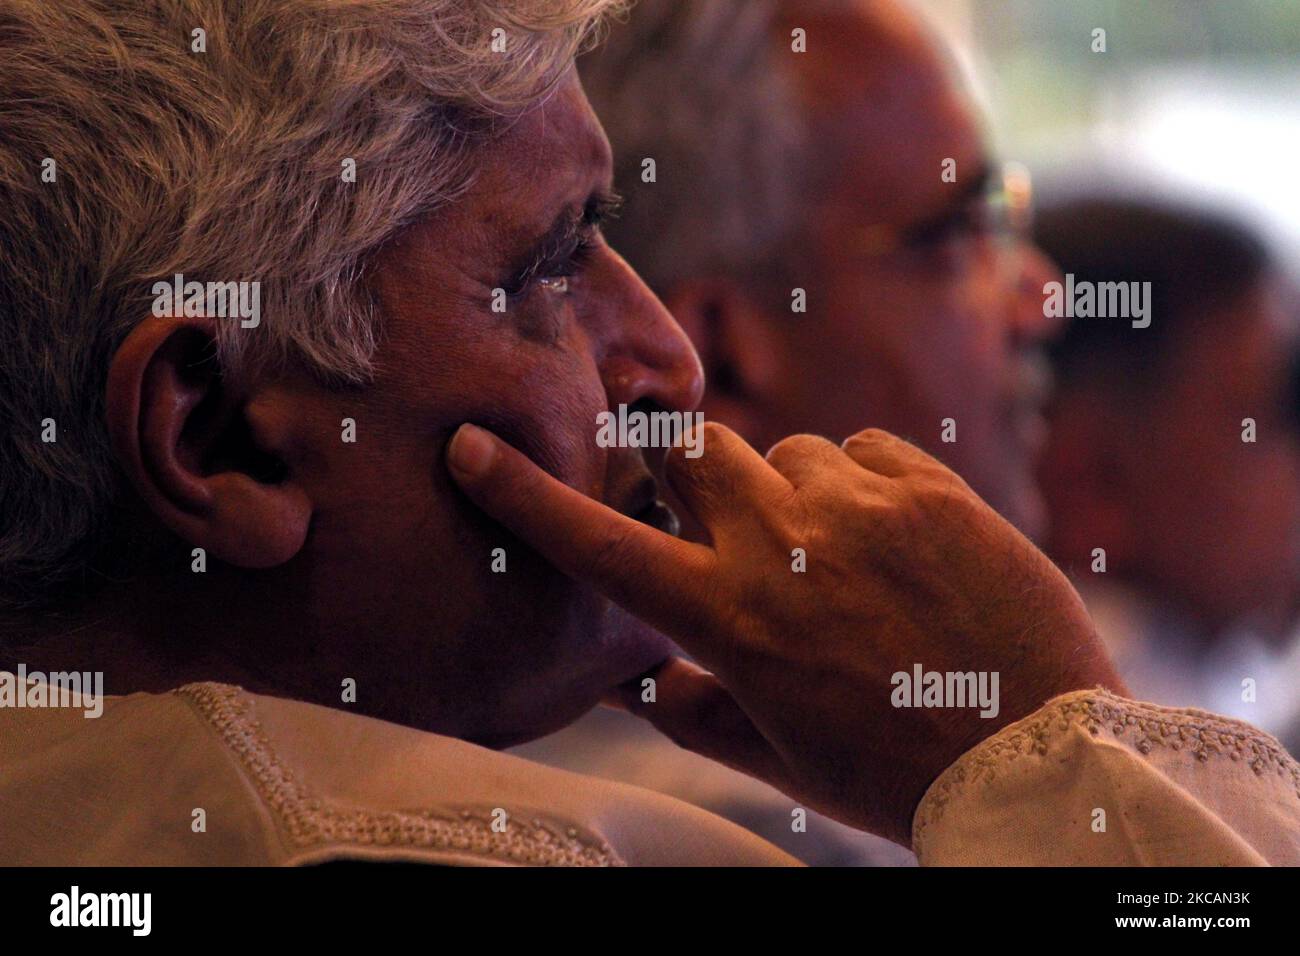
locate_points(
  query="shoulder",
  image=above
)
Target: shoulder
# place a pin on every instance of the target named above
(285, 782)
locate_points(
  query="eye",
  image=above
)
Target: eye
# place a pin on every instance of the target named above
(973, 222)
(556, 285)
(557, 278)
(553, 273)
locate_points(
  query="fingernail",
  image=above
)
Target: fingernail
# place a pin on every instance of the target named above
(471, 450)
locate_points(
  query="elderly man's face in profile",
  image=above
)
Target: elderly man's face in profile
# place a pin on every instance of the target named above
(407, 592)
(929, 315)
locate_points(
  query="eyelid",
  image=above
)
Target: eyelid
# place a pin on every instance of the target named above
(562, 263)
(973, 218)
(605, 207)
(585, 234)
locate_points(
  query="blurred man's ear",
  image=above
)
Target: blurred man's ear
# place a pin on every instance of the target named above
(735, 339)
(196, 453)
(1088, 480)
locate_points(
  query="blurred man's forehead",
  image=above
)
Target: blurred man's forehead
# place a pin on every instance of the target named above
(889, 124)
(898, 156)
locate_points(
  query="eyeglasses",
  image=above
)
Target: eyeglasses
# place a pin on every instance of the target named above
(1002, 212)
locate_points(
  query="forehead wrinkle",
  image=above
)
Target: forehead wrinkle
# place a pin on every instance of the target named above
(563, 134)
(528, 178)
(575, 181)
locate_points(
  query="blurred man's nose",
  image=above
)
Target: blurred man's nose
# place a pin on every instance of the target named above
(643, 353)
(1029, 323)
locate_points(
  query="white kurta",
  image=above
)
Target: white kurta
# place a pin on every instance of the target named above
(284, 782)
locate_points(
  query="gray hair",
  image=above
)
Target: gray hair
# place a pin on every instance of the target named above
(700, 87)
(223, 165)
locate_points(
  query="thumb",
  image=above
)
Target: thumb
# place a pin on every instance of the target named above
(694, 710)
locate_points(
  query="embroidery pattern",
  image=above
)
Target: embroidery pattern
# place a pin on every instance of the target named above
(311, 821)
(1142, 726)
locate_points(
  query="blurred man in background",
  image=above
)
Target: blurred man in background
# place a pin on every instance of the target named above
(1173, 469)
(870, 189)
(843, 251)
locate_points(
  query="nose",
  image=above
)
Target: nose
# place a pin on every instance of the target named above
(1034, 270)
(643, 354)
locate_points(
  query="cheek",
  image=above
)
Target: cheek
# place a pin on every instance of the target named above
(963, 364)
(399, 509)
(545, 404)
(1267, 492)
(391, 490)
(955, 327)
(529, 377)
(916, 354)
(556, 426)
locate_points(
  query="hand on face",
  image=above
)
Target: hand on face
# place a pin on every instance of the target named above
(339, 546)
(904, 565)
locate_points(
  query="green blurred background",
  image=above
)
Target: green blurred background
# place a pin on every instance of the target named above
(1190, 95)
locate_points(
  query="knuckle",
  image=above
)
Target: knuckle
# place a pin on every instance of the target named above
(944, 497)
(818, 538)
(796, 445)
(882, 442)
(871, 436)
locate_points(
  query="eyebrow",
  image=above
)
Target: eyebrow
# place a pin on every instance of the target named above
(571, 225)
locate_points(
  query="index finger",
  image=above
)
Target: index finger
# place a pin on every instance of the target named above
(651, 574)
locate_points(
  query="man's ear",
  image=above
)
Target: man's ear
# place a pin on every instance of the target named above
(186, 444)
(738, 350)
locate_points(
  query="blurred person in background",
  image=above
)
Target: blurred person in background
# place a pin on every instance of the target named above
(751, 172)
(1181, 532)
(871, 189)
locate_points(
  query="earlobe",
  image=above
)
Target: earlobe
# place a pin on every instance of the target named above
(182, 440)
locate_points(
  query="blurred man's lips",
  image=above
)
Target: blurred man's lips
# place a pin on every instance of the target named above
(1030, 428)
(1029, 396)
